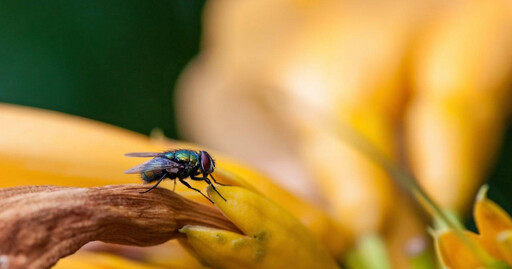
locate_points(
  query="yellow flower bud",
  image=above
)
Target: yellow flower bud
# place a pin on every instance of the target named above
(272, 238)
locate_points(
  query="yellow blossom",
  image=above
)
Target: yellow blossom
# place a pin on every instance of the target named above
(487, 248)
(42, 147)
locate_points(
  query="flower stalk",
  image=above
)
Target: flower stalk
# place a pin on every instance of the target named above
(408, 181)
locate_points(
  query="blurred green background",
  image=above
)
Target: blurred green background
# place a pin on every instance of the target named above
(113, 61)
(117, 62)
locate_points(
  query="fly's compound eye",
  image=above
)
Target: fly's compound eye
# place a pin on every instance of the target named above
(207, 163)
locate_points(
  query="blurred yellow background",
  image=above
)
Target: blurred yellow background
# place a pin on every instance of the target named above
(428, 83)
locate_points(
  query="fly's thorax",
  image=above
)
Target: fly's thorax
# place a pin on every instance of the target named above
(183, 156)
(170, 155)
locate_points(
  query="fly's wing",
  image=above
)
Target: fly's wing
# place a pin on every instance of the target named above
(143, 154)
(156, 164)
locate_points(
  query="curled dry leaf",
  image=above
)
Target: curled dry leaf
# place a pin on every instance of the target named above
(41, 224)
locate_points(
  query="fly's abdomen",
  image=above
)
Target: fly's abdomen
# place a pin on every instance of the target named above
(150, 176)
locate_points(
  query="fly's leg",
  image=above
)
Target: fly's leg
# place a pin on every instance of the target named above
(156, 185)
(215, 189)
(216, 181)
(207, 180)
(174, 187)
(190, 187)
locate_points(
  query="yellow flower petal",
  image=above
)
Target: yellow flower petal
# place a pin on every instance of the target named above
(455, 254)
(457, 116)
(505, 245)
(445, 147)
(88, 260)
(491, 220)
(169, 255)
(43, 147)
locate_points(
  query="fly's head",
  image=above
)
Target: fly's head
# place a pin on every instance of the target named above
(207, 163)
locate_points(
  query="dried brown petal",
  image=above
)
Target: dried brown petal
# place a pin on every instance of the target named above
(41, 224)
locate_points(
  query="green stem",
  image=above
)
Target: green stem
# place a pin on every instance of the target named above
(370, 253)
(422, 260)
(373, 250)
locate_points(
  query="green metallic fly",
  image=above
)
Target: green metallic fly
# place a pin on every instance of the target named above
(176, 164)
